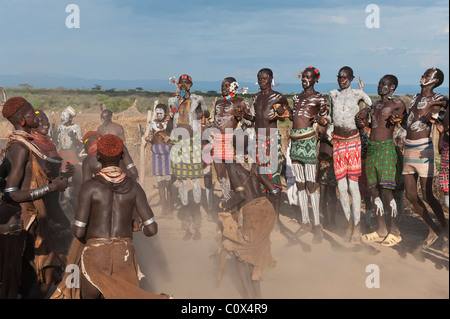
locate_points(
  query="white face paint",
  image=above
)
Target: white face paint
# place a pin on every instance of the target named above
(424, 82)
(160, 114)
(65, 117)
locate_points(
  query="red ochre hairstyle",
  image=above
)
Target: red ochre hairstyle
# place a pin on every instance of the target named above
(90, 134)
(110, 145)
(12, 105)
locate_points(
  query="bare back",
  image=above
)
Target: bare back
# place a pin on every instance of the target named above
(109, 214)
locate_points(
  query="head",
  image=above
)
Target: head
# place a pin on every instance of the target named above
(345, 77)
(106, 116)
(160, 111)
(310, 76)
(44, 124)
(109, 150)
(90, 139)
(184, 84)
(265, 78)
(433, 77)
(229, 85)
(20, 113)
(387, 85)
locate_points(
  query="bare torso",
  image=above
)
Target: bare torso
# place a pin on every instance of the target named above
(263, 103)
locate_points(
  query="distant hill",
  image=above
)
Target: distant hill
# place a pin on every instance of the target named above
(51, 81)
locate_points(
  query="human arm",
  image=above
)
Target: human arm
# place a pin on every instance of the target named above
(397, 113)
(148, 224)
(83, 211)
(18, 155)
(365, 98)
(129, 164)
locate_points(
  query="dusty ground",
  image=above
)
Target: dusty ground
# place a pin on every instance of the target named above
(329, 270)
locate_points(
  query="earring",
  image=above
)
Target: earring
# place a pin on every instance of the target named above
(22, 123)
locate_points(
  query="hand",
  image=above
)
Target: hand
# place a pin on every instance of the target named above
(70, 171)
(394, 119)
(430, 117)
(135, 226)
(361, 84)
(148, 139)
(319, 120)
(15, 225)
(59, 184)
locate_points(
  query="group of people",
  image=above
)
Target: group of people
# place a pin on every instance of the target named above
(340, 143)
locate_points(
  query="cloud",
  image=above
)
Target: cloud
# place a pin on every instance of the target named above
(339, 19)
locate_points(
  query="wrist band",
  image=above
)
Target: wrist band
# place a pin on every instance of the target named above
(39, 192)
(130, 166)
(10, 189)
(79, 224)
(275, 191)
(149, 221)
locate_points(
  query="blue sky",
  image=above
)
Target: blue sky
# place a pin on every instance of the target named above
(129, 40)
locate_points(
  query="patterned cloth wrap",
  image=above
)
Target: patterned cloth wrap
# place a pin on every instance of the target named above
(419, 157)
(160, 159)
(347, 156)
(304, 150)
(444, 168)
(326, 170)
(69, 156)
(265, 144)
(190, 153)
(223, 146)
(381, 164)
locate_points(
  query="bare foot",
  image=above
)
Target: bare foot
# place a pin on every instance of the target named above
(348, 231)
(356, 234)
(318, 234)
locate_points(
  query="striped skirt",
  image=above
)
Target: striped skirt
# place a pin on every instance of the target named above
(419, 157)
(160, 160)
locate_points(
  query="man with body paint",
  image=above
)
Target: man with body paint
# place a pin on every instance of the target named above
(347, 149)
(425, 109)
(69, 143)
(303, 148)
(270, 106)
(226, 120)
(186, 154)
(382, 159)
(160, 147)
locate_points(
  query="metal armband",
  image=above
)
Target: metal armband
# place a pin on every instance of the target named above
(38, 193)
(131, 165)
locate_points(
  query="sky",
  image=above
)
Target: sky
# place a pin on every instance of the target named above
(211, 40)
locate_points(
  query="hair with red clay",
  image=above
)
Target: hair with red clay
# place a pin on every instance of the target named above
(110, 145)
(12, 105)
(91, 134)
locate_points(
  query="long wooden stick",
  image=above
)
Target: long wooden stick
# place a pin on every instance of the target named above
(142, 151)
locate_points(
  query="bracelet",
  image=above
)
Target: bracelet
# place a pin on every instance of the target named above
(146, 223)
(10, 189)
(149, 221)
(275, 191)
(130, 166)
(239, 189)
(79, 224)
(39, 192)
